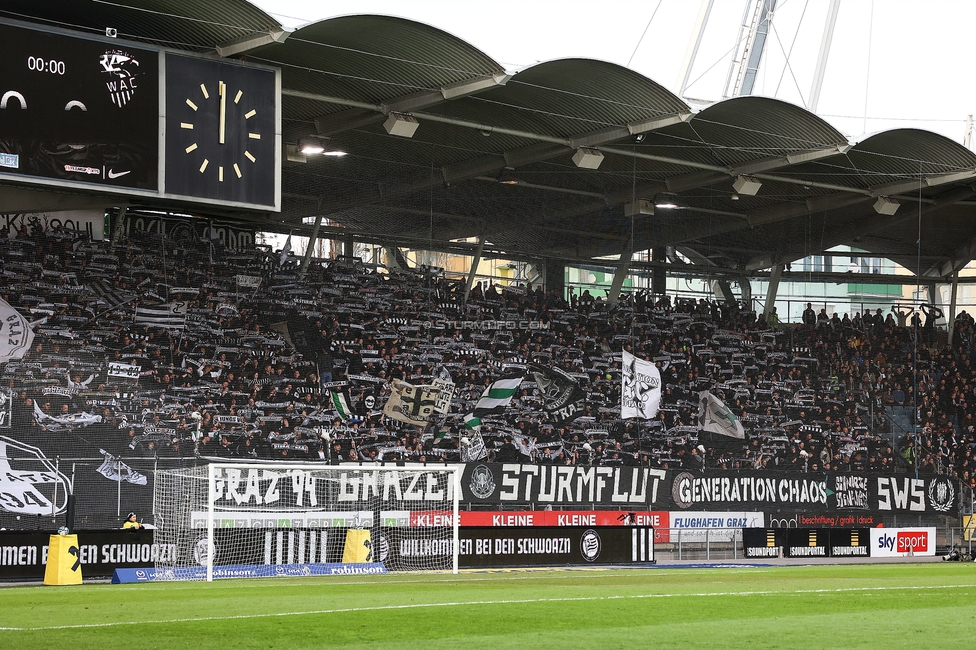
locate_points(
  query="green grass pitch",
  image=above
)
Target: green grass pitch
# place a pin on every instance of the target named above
(887, 606)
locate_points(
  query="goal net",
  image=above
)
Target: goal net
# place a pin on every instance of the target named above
(248, 520)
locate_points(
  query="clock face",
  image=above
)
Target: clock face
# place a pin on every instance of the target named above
(220, 131)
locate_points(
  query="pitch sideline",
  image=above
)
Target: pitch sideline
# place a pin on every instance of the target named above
(485, 602)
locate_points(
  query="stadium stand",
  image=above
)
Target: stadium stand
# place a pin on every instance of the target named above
(176, 351)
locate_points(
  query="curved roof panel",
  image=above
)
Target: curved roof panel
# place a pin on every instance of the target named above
(375, 58)
(744, 128)
(180, 24)
(910, 152)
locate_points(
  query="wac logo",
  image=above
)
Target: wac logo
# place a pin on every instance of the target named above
(30, 484)
(122, 71)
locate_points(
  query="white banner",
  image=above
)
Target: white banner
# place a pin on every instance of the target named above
(16, 335)
(125, 370)
(902, 542)
(89, 222)
(713, 526)
(640, 388)
(248, 281)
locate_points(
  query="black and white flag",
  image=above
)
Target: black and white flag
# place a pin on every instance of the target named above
(563, 399)
(115, 470)
(169, 315)
(473, 447)
(110, 295)
(16, 336)
(640, 388)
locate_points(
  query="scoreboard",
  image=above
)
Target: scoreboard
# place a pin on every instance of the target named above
(96, 113)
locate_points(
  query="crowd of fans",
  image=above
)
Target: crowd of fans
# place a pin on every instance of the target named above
(250, 369)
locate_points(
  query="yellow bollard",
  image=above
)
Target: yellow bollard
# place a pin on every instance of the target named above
(63, 561)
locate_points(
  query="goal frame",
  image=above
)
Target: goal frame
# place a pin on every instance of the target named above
(454, 470)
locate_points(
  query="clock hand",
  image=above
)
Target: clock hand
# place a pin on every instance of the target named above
(222, 91)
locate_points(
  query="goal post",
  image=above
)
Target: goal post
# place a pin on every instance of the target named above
(251, 519)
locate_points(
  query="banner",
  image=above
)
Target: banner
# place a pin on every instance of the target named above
(473, 447)
(66, 422)
(640, 388)
(523, 546)
(557, 518)
(23, 555)
(858, 499)
(115, 470)
(188, 230)
(411, 404)
(711, 526)
(124, 370)
(86, 222)
(248, 281)
(30, 483)
(6, 407)
(807, 543)
(562, 398)
(16, 335)
(563, 485)
(902, 542)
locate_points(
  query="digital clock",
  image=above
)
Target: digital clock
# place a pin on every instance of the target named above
(78, 109)
(39, 64)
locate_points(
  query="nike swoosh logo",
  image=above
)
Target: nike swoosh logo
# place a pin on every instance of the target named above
(114, 174)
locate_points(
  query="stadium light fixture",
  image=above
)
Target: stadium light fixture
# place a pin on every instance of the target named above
(508, 178)
(402, 125)
(587, 158)
(666, 201)
(746, 185)
(885, 205)
(311, 146)
(638, 207)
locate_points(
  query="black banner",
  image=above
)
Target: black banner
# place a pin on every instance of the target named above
(575, 485)
(187, 231)
(814, 493)
(555, 546)
(24, 555)
(809, 543)
(841, 500)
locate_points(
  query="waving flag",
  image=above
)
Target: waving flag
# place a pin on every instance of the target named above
(640, 388)
(563, 399)
(411, 404)
(715, 417)
(169, 315)
(16, 335)
(494, 399)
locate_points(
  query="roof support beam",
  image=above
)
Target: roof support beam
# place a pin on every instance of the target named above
(752, 168)
(363, 114)
(252, 41)
(932, 180)
(546, 150)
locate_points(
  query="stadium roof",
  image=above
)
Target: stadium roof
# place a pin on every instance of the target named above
(493, 155)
